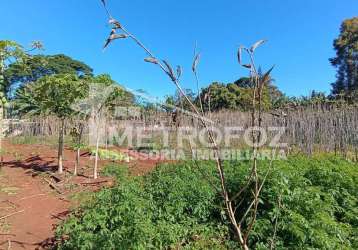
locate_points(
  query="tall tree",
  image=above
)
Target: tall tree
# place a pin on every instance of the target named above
(244, 82)
(10, 52)
(52, 95)
(39, 66)
(346, 61)
(238, 95)
(217, 96)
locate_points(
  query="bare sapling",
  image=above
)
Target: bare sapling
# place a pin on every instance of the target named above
(95, 169)
(242, 224)
(1, 105)
(103, 99)
(61, 145)
(77, 134)
(96, 119)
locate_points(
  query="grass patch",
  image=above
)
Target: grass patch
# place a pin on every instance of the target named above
(51, 141)
(9, 190)
(5, 227)
(79, 198)
(119, 172)
(105, 154)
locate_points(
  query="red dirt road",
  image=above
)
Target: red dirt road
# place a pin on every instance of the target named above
(37, 209)
(31, 208)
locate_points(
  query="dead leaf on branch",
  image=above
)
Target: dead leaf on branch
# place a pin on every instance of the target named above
(196, 62)
(151, 60)
(256, 45)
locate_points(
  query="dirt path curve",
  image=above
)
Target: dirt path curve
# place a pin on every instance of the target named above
(32, 207)
(35, 208)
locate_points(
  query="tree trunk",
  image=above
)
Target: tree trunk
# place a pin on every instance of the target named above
(95, 170)
(78, 152)
(2, 65)
(60, 146)
(1, 135)
(77, 164)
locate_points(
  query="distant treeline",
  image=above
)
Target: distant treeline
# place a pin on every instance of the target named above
(238, 95)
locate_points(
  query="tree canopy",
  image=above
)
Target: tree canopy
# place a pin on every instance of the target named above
(238, 95)
(10, 51)
(218, 96)
(104, 93)
(38, 66)
(346, 61)
(51, 95)
(61, 95)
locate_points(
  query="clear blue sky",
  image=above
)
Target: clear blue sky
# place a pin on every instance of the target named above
(300, 34)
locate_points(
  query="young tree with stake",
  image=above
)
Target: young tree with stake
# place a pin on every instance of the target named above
(52, 95)
(103, 96)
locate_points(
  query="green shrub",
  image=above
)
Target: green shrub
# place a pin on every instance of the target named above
(168, 208)
(313, 201)
(119, 172)
(318, 205)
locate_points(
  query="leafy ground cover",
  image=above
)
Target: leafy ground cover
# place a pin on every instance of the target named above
(307, 203)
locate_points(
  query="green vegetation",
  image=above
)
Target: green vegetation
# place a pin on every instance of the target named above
(306, 204)
(346, 61)
(37, 66)
(52, 95)
(105, 154)
(9, 190)
(119, 172)
(58, 94)
(238, 95)
(4, 227)
(234, 96)
(103, 98)
(9, 50)
(51, 141)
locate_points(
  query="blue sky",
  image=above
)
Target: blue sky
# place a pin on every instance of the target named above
(300, 34)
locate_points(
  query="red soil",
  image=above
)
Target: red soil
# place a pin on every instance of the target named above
(32, 206)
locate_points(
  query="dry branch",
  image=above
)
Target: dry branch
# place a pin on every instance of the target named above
(32, 196)
(53, 186)
(94, 183)
(7, 216)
